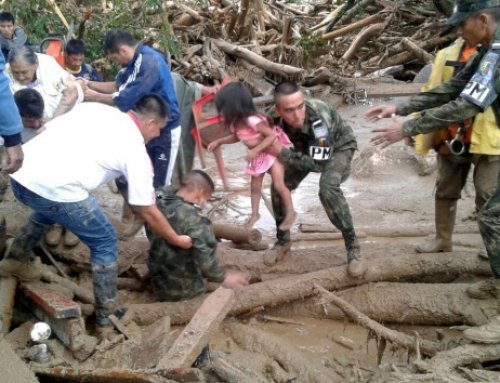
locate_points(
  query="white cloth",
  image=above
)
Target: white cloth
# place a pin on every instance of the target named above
(175, 141)
(51, 81)
(84, 148)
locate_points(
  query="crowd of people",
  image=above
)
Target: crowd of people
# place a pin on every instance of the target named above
(133, 125)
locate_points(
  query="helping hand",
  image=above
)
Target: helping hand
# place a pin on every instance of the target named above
(184, 242)
(251, 155)
(14, 158)
(388, 134)
(236, 280)
(378, 112)
(212, 146)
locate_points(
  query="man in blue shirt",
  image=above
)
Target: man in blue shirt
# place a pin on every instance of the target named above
(144, 71)
(10, 123)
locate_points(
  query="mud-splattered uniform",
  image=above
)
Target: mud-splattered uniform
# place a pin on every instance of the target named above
(451, 103)
(177, 274)
(334, 166)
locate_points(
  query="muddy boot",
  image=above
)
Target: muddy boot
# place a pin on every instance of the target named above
(54, 235)
(484, 289)
(444, 216)
(19, 261)
(355, 265)
(70, 239)
(278, 253)
(488, 333)
(104, 279)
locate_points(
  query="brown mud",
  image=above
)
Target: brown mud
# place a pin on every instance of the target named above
(280, 330)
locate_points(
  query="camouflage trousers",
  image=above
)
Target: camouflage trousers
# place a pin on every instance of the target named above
(453, 172)
(489, 226)
(333, 172)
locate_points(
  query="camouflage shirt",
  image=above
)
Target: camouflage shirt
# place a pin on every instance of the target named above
(340, 134)
(177, 274)
(448, 106)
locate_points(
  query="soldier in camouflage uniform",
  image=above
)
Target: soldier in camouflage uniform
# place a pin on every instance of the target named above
(323, 143)
(177, 274)
(474, 90)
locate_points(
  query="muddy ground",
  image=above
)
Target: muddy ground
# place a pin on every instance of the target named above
(386, 191)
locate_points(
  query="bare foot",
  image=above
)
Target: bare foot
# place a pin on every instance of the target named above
(251, 221)
(289, 220)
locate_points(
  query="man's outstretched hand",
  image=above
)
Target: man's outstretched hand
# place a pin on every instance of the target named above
(387, 135)
(378, 112)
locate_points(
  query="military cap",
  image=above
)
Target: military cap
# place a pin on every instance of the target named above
(464, 8)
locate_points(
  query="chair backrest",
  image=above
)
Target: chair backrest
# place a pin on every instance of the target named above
(54, 46)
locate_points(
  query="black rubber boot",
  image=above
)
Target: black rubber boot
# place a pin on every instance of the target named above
(104, 278)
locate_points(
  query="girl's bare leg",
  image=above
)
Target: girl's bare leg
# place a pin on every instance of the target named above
(255, 195)
(277, 172)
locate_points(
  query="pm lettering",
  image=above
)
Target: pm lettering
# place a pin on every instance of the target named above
(476, 91)
(320, 153)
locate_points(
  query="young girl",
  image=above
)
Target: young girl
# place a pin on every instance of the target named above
(234, 102)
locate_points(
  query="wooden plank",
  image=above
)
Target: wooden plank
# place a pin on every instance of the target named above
(7, 299)
(12, 367)
(54, 304)
(197, 333)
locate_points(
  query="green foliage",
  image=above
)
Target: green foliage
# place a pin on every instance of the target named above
(39, 19)
(309, 43)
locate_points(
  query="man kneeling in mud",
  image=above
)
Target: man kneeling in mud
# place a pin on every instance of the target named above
(177, 274)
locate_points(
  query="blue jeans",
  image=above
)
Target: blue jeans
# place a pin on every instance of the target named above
(84, 218)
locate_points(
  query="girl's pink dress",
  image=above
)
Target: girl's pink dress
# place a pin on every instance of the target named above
(263, 162)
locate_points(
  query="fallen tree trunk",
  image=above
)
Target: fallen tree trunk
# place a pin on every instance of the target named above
(283, 290)
(261, 62)
(352, 27)
(285, 353)
(405, 340)
(434, 304)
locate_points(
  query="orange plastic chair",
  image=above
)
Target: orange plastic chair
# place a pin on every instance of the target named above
(54, 46)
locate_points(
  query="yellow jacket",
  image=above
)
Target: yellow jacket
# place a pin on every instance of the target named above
(485, 132)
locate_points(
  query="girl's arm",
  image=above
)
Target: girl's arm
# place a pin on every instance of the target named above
(229, 139)
(269, 137)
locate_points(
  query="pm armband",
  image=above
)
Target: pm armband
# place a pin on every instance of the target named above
(480, 90)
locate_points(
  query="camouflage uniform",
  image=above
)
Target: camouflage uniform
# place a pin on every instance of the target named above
(449, 108)
(177, 274)
(334, 171)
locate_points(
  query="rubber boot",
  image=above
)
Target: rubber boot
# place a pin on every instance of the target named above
(19, 258)
(104, 278)
(54, 235)
(445, 214)
(488, 333)
(484, 289)
(355, 265)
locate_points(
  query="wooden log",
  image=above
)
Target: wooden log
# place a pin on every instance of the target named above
(97, 375)
(198, 332)
(352, 27)
(422, 56)
(238, 234)
(362, 38)
(431, 304)
(283, 290)
(280, 69)
(231, 372)
(428, 348)
(284, 352)
(7, 300)
(381, 231)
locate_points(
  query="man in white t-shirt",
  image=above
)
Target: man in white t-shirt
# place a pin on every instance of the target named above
(80, 150)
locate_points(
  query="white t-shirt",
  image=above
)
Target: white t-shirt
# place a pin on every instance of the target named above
(51, 81)
(84, 148)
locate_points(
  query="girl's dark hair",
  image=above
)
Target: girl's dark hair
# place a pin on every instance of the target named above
(235, 103)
